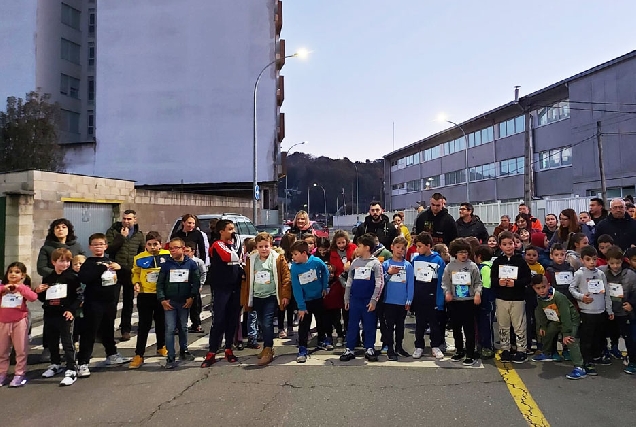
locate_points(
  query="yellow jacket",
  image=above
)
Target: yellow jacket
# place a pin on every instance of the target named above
(146, 268)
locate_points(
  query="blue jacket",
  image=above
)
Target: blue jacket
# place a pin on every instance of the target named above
(170, 287)
(435, 259)
(308, 291)
(399, 287)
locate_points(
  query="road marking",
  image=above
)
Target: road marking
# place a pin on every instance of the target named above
(521, 395)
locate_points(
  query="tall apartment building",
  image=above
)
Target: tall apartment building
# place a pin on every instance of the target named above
(49, 45)
(540, 145)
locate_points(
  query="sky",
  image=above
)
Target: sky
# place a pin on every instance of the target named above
(376, 65)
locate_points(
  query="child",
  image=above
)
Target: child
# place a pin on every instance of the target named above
(334, 315)
(556, 315)
(364, 287)
(398, 279)
(250, 318)
(524, 236)
(145, 273)
(461, 284)
(225, 283)
(622, 292)
(483, 256)
(630, 258)
(576, 242)
(310, 281)
(266, 287)
(518, 243)
(177, 287)
(591, 290)
(195, 311)
(604, 242)
(58, 292)
(322, 249)
(310, 239)
(442, 250)
(98, 273)
(382, 254)
(510, 277)
(540, 242)
(340, 258)
(286, 242)
(532, 259)
(15, 290)
(492, 243)
(428, 297)
(79, 324)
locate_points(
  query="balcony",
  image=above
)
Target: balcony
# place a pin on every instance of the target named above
(278, 17)
(280, 90)
(281, 127)
(280, 54)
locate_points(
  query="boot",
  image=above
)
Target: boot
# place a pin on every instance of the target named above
(267, 356)
(262, 352)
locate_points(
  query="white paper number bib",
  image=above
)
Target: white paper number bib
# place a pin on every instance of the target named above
(616, 290)
(400, 276)
(307, 277)
(508, 272)
(262, 277)
(563, 277)
(109, 278)
(551, 314)
(362, 273)
(57, 291)
(425, 271)
(179, 275)
(595, 286)
(152, 277)
(460, 278)
(12, 300)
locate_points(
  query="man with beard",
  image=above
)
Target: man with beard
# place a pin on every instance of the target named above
(437, 221)
(379, 224)
(469, 225)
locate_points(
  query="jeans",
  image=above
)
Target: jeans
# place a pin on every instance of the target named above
(485, 319)
(178, 311)
(290, 315)
(150, 308)
(252, 326)
(195, 311)
(266, 308)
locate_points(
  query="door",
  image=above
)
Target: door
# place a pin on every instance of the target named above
(88, 218)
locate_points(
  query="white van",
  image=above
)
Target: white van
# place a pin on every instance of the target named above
(243, 225)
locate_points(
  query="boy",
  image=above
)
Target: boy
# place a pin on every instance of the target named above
(310, 281)
(195, 311)
(98, 273)
(265, 289)
(461, 284)
(510, 277)
(362, 293)
(483, 256)
(532, 259)
(591, 290)
(58, 292)
(380, 252)
(604, 242)
(225, 284)
(630, 258)
(398, 279)
(622, 292)
(428, 297)
(145, 273)
(556, 315)
(177, 288)
(79, 322)
(310, 239)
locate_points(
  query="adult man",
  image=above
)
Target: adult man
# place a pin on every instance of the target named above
(619, 225)
(125, 240)
(437, 221)
(469, 225)
(535, 224)
(504, 225)
(597, 210)
(379, 224)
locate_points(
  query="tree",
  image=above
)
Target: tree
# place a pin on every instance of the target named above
(29, 134)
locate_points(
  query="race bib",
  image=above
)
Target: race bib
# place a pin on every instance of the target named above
(425, 271)
(400, 276)
(152, 277)
(460, 278)
(563, 277)
(362, 273)
(462, 291)
(109, 278)
(616, 290)
(56, 292)
(179, 275)
(551, 314)
(262, 277)
(596, 286)
(508, 272)
(12, 300)
(307, 277)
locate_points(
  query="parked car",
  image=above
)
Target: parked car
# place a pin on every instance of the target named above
(276, 231)
(242, 224)
(320, 230)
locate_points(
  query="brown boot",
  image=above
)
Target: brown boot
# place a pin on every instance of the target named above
(266, 356)
(260, 355)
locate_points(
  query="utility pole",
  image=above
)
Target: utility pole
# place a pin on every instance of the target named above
(601, 165)
(528, 181)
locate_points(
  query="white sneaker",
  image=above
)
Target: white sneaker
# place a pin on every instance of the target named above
(450, 348)
(437, 353)
(339, 342)
(69, 378)
(83, 371)
(116, 359)
(417, 354)
(52, 371)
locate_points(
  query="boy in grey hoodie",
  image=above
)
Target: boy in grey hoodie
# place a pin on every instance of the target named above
(461, 284)
(589, 287)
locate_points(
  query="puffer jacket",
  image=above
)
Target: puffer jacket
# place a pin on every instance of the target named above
(44, 265)
(124, 249)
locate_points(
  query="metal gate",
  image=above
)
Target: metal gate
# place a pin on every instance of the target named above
(88, 218)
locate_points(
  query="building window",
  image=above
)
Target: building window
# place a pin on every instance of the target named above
(432, 182)
(91, 22)
(554, 113)
(70, 51)
(415, 185)
(91, 123)
(413, 159)
(512, 126)
(70, 16)
(91, 89)
(511, 166)
(70, 121)
(456, 177)
(69, 86)
(480, 137)
(91, 54)
(487, 171)
(556, 158)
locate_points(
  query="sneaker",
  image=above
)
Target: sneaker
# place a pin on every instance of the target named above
(302, 355)
(630, 369)
(45, 357)
(520, 357)
(542, 357)
(322, 345)
(253, 344)
(370, 355)
(505, 356)
(417, 354)
(163, 351)
(18, 381)
(171, 363)
(136, 362)
(458, 357)
(116, 359)
(239, 346)
(385, 349)
(229, 356)
(577, 374)
(210, 359)
(487, 353)
(437, 353)
(469, 361)
(3, 379)
(339, 342)
(125, 336)
(347, 355)
(186, 356)
(590, 370)
(69, 378)
(566, 355)
(83, 371)
(328, 344)
(557, 357)
(450, 348)
(603, 360)
(616, 353)
(52, 371)
(442, 347)
(282, 334)
(401, 352)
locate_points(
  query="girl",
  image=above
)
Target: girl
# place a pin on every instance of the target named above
(576, 242)
(311, 242)
(522, 222)
(524, 236)
(340, 257)
(250, 319)
(15, 290)
(322, 249)
(492, 243)
(285, 244)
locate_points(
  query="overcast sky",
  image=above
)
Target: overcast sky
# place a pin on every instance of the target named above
(379, 62)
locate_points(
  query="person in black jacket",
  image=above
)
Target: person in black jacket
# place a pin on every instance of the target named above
(469, 225)
(379, 224)
(437, 221)
(619, 225)
(190, 233)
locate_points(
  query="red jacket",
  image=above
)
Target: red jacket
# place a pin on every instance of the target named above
(334, 300)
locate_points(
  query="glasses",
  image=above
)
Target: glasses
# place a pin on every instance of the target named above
(462, 252)
(564, 219)
(174, 248)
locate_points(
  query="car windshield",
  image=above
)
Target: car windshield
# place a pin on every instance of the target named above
(269, 229)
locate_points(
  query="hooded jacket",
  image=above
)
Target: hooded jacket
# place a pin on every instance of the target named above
(579, 287)
(45, 267)
(384, 229)
(170, 289)
(303, 287)
(442, 226)
(622, 288)
(335, 298)
(282, 280)
(146, 268)
(622, 230)
(559, 305)
(473, 228)
(123, 249)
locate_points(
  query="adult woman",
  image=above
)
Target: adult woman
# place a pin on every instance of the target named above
(403, 230)
(301, 224)
(190, 233)
(569, 224)
(61, 234)
(522, 222)
(551, 225)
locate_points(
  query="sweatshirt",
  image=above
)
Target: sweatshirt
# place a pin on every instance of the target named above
(146, 268)
(225, 269)
(557, 308)
(178, 280)
(365, 280)
(559, 277)
(428, 270)
(523, 274)
(99, 280)
(622, 288)
(462, 280)
(13, 307)
(68, 283)
(309, 279)
(584, 279)
(399, 287)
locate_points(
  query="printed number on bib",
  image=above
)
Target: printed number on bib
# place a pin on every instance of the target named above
(425, 271)
(362, 273)
(307, 277)
(563, 277)
(508, 272)
(109, 278)
(400, 276)
(551, 314)
(56, 291)
(616, 290)
(152, 277)
(596, 286)
(12, 300)
(179, 275)
(262, 278)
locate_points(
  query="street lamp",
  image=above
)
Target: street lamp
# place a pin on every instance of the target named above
(443, 118)
(324, 194)
(301, 53)
(357, 191)
(285, 202)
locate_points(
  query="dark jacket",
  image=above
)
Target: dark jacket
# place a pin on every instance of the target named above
(124, 249)
(384, 229)
(474, 228)
(225, 271)
(98, 288)
(176, 290)
(622, 230)
(604, 214)
(195, 236)
(45, 267)
(585, 229)
(57, 307)
(549, 233)
(518, 291)
(441, 226)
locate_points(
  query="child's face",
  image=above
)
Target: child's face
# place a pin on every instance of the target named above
(584, 242)
(532, 257)
(518, 244)
(525, 236)
(632, 262)
(422, 249)
(311, 243)
(603, 247)
(558, 256)
(584, 217)
(77, 265)
(153, 246)
(615, 265)
(542, 289)
(589, 262)
(61, 264)
(363, 249)
(398, 250)
(187, 251)
(462, 256)
(264, 247)
(176, 250)
(551, 221)
(15, 276)
(492, 242)
(299, 257)
(323, 251)
(507, 246)
(226, 233)
(341, 243)
(98, 247)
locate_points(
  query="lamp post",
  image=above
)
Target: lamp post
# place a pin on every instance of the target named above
(301, 53)
(357, 191)
(466, 158)
(285, 202)
(324, 194)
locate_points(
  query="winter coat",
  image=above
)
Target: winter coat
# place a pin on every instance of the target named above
(384, 229)
(124, 249)
(622, 230)
(442, 226)
(474, 228)
(44, 265)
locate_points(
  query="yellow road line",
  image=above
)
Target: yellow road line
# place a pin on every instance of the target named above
(521, 395)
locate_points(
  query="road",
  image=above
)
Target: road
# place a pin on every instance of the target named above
(323, 392)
